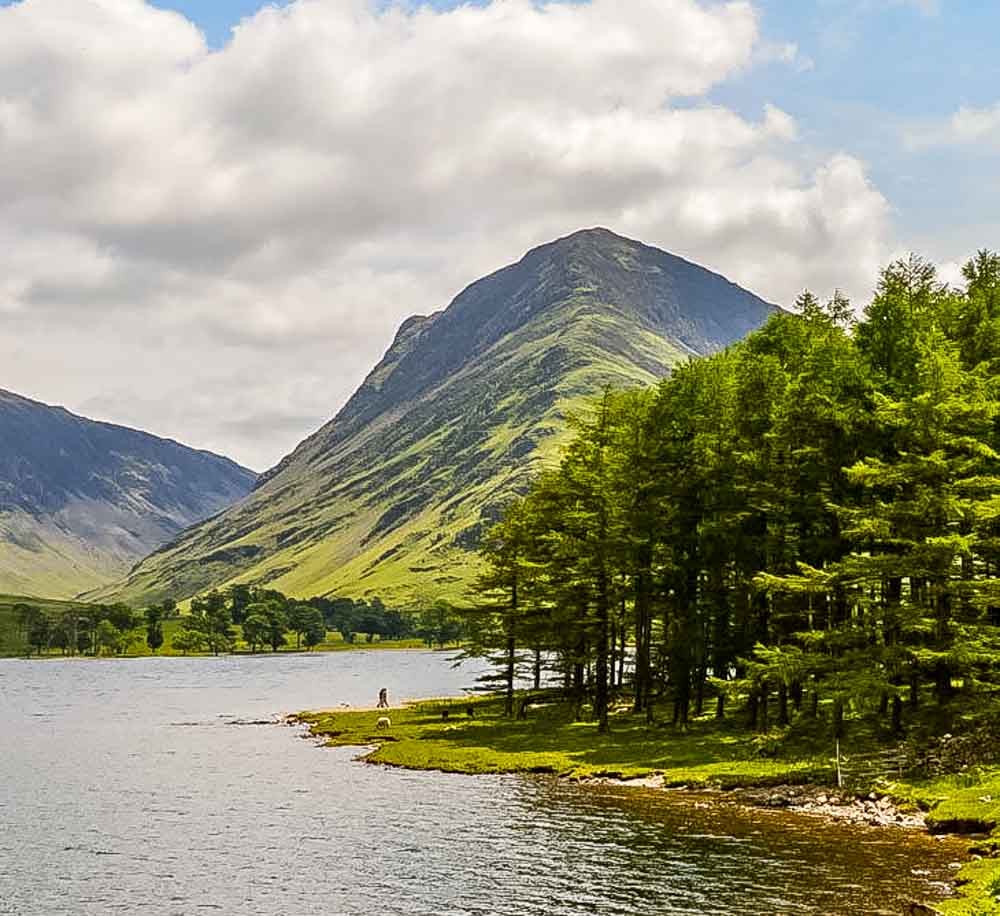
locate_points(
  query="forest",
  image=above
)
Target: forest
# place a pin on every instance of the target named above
(802, 528)
(239, 618)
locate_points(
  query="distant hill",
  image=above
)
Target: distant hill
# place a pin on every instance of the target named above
(82, 501)
(390, 497)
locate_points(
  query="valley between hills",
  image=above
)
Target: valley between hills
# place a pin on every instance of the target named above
(733, 583)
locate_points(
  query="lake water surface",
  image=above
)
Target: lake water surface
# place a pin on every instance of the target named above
(137, 786)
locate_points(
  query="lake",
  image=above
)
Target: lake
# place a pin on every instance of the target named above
(141, 786)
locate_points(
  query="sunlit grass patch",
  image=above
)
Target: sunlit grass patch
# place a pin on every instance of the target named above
(550, 741)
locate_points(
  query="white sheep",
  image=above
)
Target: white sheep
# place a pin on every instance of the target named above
(383, 722)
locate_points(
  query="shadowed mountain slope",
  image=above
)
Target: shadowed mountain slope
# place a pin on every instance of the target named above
(82, 501)
(391, 495)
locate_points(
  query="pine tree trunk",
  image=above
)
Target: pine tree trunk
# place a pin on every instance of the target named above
(621, 654)
(508, 700)
(601, 691)
(612, 653)
(508, 703)
(753, 709)
(642, 631)
(942, 670)
(579, 675)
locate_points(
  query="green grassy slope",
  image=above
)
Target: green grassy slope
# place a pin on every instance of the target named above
(37, 557)
(391, 497)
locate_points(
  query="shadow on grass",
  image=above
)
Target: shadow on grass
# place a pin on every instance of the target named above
(550, 740)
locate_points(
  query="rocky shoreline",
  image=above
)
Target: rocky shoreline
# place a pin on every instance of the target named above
(817, 801)
(824, 802)
(873, 810)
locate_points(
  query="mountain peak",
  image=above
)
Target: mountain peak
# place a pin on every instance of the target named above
(466, 405)
(597, 235)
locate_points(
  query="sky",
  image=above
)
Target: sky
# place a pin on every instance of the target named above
(214, 214)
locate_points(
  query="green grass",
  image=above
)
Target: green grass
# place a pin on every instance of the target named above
(980, 890)
(549, 741)
(970, 802)
(705, 754)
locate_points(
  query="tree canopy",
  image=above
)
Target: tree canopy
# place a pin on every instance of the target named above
(807, 523)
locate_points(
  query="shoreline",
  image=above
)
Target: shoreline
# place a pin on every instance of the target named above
(817, 801)
(809, 799)
(467, 736)
(284, 653)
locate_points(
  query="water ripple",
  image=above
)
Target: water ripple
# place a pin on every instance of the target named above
(125, 793)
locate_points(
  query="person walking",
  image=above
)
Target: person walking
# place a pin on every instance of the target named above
(383, 699)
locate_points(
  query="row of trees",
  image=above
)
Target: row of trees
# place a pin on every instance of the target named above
(268, 619)
(265, 618)
(807, 523)
(352, 616)
(100, 629)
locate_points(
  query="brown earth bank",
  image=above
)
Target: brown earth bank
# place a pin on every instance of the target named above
(818, 801)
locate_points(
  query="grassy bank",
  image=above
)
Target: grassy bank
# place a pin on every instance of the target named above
(441, 735)
(968, 802)
(549, 741)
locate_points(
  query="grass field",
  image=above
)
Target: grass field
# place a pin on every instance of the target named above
(549, 741)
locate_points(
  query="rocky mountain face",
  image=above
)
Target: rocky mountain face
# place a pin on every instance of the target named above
(391, 496)
(82, 501)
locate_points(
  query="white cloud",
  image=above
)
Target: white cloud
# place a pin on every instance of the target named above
(950, 272)
(218, 245)
(968, 126)
(786, 52)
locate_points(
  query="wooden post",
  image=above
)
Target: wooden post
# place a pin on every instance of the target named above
(840, 778)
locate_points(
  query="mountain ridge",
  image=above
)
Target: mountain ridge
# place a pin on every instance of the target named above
(109, 424)
(82, 500)
(464, 406)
